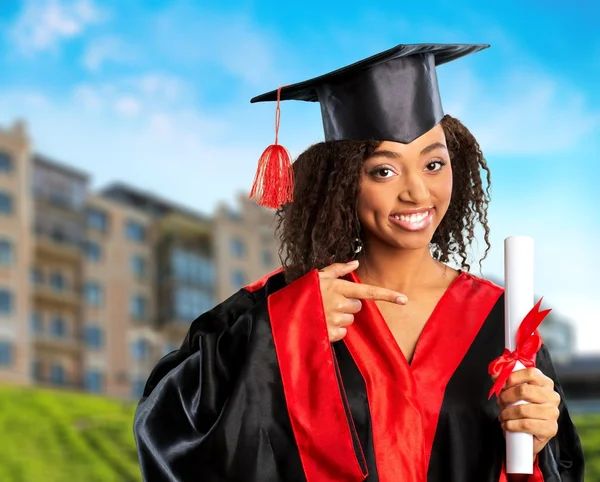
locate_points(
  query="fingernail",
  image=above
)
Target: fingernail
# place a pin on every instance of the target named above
(354, 262)
(401, 299)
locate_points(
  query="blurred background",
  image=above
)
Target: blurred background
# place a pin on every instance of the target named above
(128, 146)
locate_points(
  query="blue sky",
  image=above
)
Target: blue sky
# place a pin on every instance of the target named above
(157, 93)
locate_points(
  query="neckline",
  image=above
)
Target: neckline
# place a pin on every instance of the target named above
(427, 328)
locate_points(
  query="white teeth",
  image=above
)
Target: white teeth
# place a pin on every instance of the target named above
(413, 218)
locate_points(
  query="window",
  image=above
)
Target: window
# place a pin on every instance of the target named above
(6, 252)
(138, 307)
(94, 381)
(266, 258)
(58, 234)
(97, 220)
(58, 282)
(138, 266)
(37, 322)
(238, 249)
(92, 291)
(6, 353)
(238, 279)
(192, 268)
(37, 277)
(57, 374)
(6, 302)
(60, 199)
(93, 251)
(6, 162)
(6, 203)
(134, 231)
(190, 303)
(137, 387)
(140, 349)
(93, 337)
(58, 327)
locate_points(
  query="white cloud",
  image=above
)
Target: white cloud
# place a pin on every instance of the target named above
(234, 43)
(105, 49)
(89, 98)
(128, 106)
(151, 92)
(169, 87)
(520, 113)
(43, 24)
(543, 118)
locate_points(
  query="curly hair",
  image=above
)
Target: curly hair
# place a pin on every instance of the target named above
(321, 224)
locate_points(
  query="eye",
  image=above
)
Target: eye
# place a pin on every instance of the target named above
(435, 165)
(382, 172)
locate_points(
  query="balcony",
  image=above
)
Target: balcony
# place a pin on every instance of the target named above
(64, 299)
(178, 225)
(60, 204)
(63, 345)
(57, 249)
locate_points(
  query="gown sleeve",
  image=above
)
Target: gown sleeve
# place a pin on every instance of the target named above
(187, 390)
(562, 459)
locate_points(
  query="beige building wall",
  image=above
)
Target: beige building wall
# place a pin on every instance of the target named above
(117, 360)
(14, 273)
(245, 245)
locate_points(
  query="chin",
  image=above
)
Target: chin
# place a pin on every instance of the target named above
(409, 241)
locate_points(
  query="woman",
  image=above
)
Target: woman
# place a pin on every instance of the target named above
(366, 357)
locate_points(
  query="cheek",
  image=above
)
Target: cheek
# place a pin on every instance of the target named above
(366, 197)
(445, 187)
(369, 202)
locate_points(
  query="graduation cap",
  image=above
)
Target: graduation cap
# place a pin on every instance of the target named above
(390, 96)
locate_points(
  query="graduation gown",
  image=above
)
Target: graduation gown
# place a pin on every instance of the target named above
(256, 393)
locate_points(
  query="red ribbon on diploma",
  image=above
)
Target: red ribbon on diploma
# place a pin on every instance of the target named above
(528, 344)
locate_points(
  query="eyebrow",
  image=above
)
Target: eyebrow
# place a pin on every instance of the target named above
(433, 147)
(397, 155)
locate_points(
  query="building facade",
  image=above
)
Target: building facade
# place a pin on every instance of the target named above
(95, 287)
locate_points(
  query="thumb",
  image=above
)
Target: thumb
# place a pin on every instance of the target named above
(336, 270)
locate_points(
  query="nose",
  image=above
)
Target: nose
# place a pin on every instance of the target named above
(414, 189)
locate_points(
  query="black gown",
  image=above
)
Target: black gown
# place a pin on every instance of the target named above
(256, 393)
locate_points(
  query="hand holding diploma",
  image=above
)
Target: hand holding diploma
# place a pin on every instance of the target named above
(526, 397)
(538, 417)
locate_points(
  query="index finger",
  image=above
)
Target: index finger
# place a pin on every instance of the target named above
(368, 292)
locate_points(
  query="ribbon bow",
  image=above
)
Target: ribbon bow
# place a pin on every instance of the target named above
(528, 344)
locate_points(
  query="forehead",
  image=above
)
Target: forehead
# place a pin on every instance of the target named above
(436, 134)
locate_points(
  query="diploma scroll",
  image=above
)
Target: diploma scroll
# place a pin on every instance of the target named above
(518, 301)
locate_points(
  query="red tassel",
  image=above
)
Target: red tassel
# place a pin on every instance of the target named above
(274, 181)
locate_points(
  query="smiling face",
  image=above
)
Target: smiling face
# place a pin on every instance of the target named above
(405, 191)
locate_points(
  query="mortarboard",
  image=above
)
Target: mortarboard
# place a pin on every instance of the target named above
(390, 96)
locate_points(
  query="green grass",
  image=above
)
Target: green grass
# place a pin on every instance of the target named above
(588, 427)
(56, 436)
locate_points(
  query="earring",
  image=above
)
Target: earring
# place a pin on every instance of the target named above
(358, 245)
